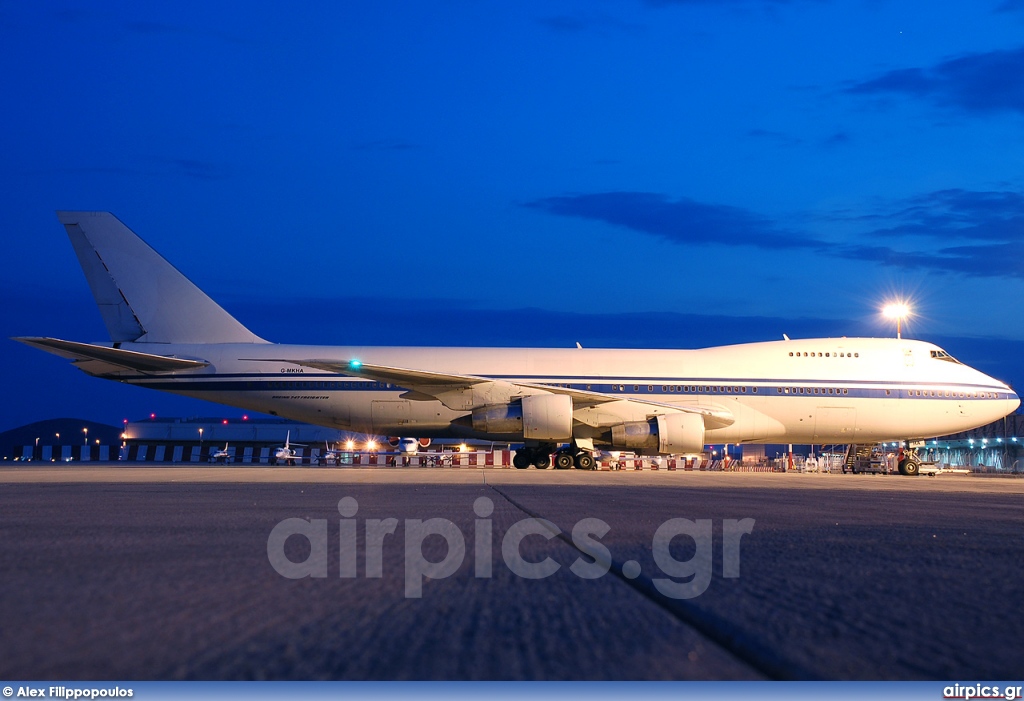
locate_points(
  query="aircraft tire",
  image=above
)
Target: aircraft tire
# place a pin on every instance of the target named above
(542, 461)
(584, 461)
(910, 467)
(563, 460)
(521, 460)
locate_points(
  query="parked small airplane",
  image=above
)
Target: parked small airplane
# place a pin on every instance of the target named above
(408, 446)
(166, 334)
(222, 455)
(285, 453)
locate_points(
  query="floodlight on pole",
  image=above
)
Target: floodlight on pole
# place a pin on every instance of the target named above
(898, 311)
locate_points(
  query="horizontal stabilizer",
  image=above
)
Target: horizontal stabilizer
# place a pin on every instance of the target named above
(118, 358)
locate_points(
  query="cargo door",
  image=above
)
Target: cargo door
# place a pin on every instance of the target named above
(835, 424)
(389, 414)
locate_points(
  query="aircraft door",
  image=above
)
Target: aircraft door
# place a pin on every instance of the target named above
(835, 424)
(389, 414)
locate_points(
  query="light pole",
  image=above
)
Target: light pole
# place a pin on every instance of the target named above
(86, 432)
(897, 311)
(200, 443)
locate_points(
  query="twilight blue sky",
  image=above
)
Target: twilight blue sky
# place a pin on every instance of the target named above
(622, 173)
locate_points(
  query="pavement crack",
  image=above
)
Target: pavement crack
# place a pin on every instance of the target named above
(722, 632)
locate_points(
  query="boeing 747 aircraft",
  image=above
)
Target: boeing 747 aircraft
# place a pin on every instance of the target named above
(166, 334)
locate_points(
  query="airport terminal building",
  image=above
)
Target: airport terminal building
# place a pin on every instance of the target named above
(994, 447)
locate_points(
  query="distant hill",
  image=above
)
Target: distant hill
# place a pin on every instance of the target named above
(70, 431)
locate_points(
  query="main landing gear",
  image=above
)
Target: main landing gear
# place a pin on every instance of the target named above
(538, 457)
(563, 459)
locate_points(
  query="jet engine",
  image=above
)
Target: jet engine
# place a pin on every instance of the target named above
(666, 433)
(542, 417)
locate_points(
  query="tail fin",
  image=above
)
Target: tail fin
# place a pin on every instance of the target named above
(141, 296)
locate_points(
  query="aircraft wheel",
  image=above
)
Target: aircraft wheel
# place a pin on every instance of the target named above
(542, 461)
(584, 461)
(563, 460)
(910, 467)
(521, 460)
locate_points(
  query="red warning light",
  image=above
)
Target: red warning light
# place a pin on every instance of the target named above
(245, 417)
(225, 422)
(152, 416)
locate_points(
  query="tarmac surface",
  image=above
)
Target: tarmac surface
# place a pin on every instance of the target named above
(143, 572)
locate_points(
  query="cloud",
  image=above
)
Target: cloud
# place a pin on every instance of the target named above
(385, 145)
(147, 27)
(977, 83)
(839, 138)
(151, 28)
(766, 3)
(155, 167)
(778, 137)
(976, 233)
(956, 213)
(1010, 6)
(200, 170)
(970, 233)
(580, 22)
(565, 23)
(682, 220)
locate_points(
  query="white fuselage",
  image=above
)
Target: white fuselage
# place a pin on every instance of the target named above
(838, 390)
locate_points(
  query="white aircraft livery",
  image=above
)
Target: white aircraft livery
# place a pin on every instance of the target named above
(166, 334)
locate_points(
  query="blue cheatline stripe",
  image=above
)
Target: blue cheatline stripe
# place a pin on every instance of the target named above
(579, 381)
(663, 388)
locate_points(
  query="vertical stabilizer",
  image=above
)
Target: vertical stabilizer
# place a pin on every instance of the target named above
(142, 297)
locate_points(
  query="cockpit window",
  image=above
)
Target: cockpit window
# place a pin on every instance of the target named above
(943, 355)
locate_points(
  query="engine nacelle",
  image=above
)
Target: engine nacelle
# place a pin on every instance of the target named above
(666, 433)
(504, 419)
(547, 417)
(542, 417)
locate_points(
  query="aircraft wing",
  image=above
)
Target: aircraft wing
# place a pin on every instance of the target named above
(104, 360)
(466, 392)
